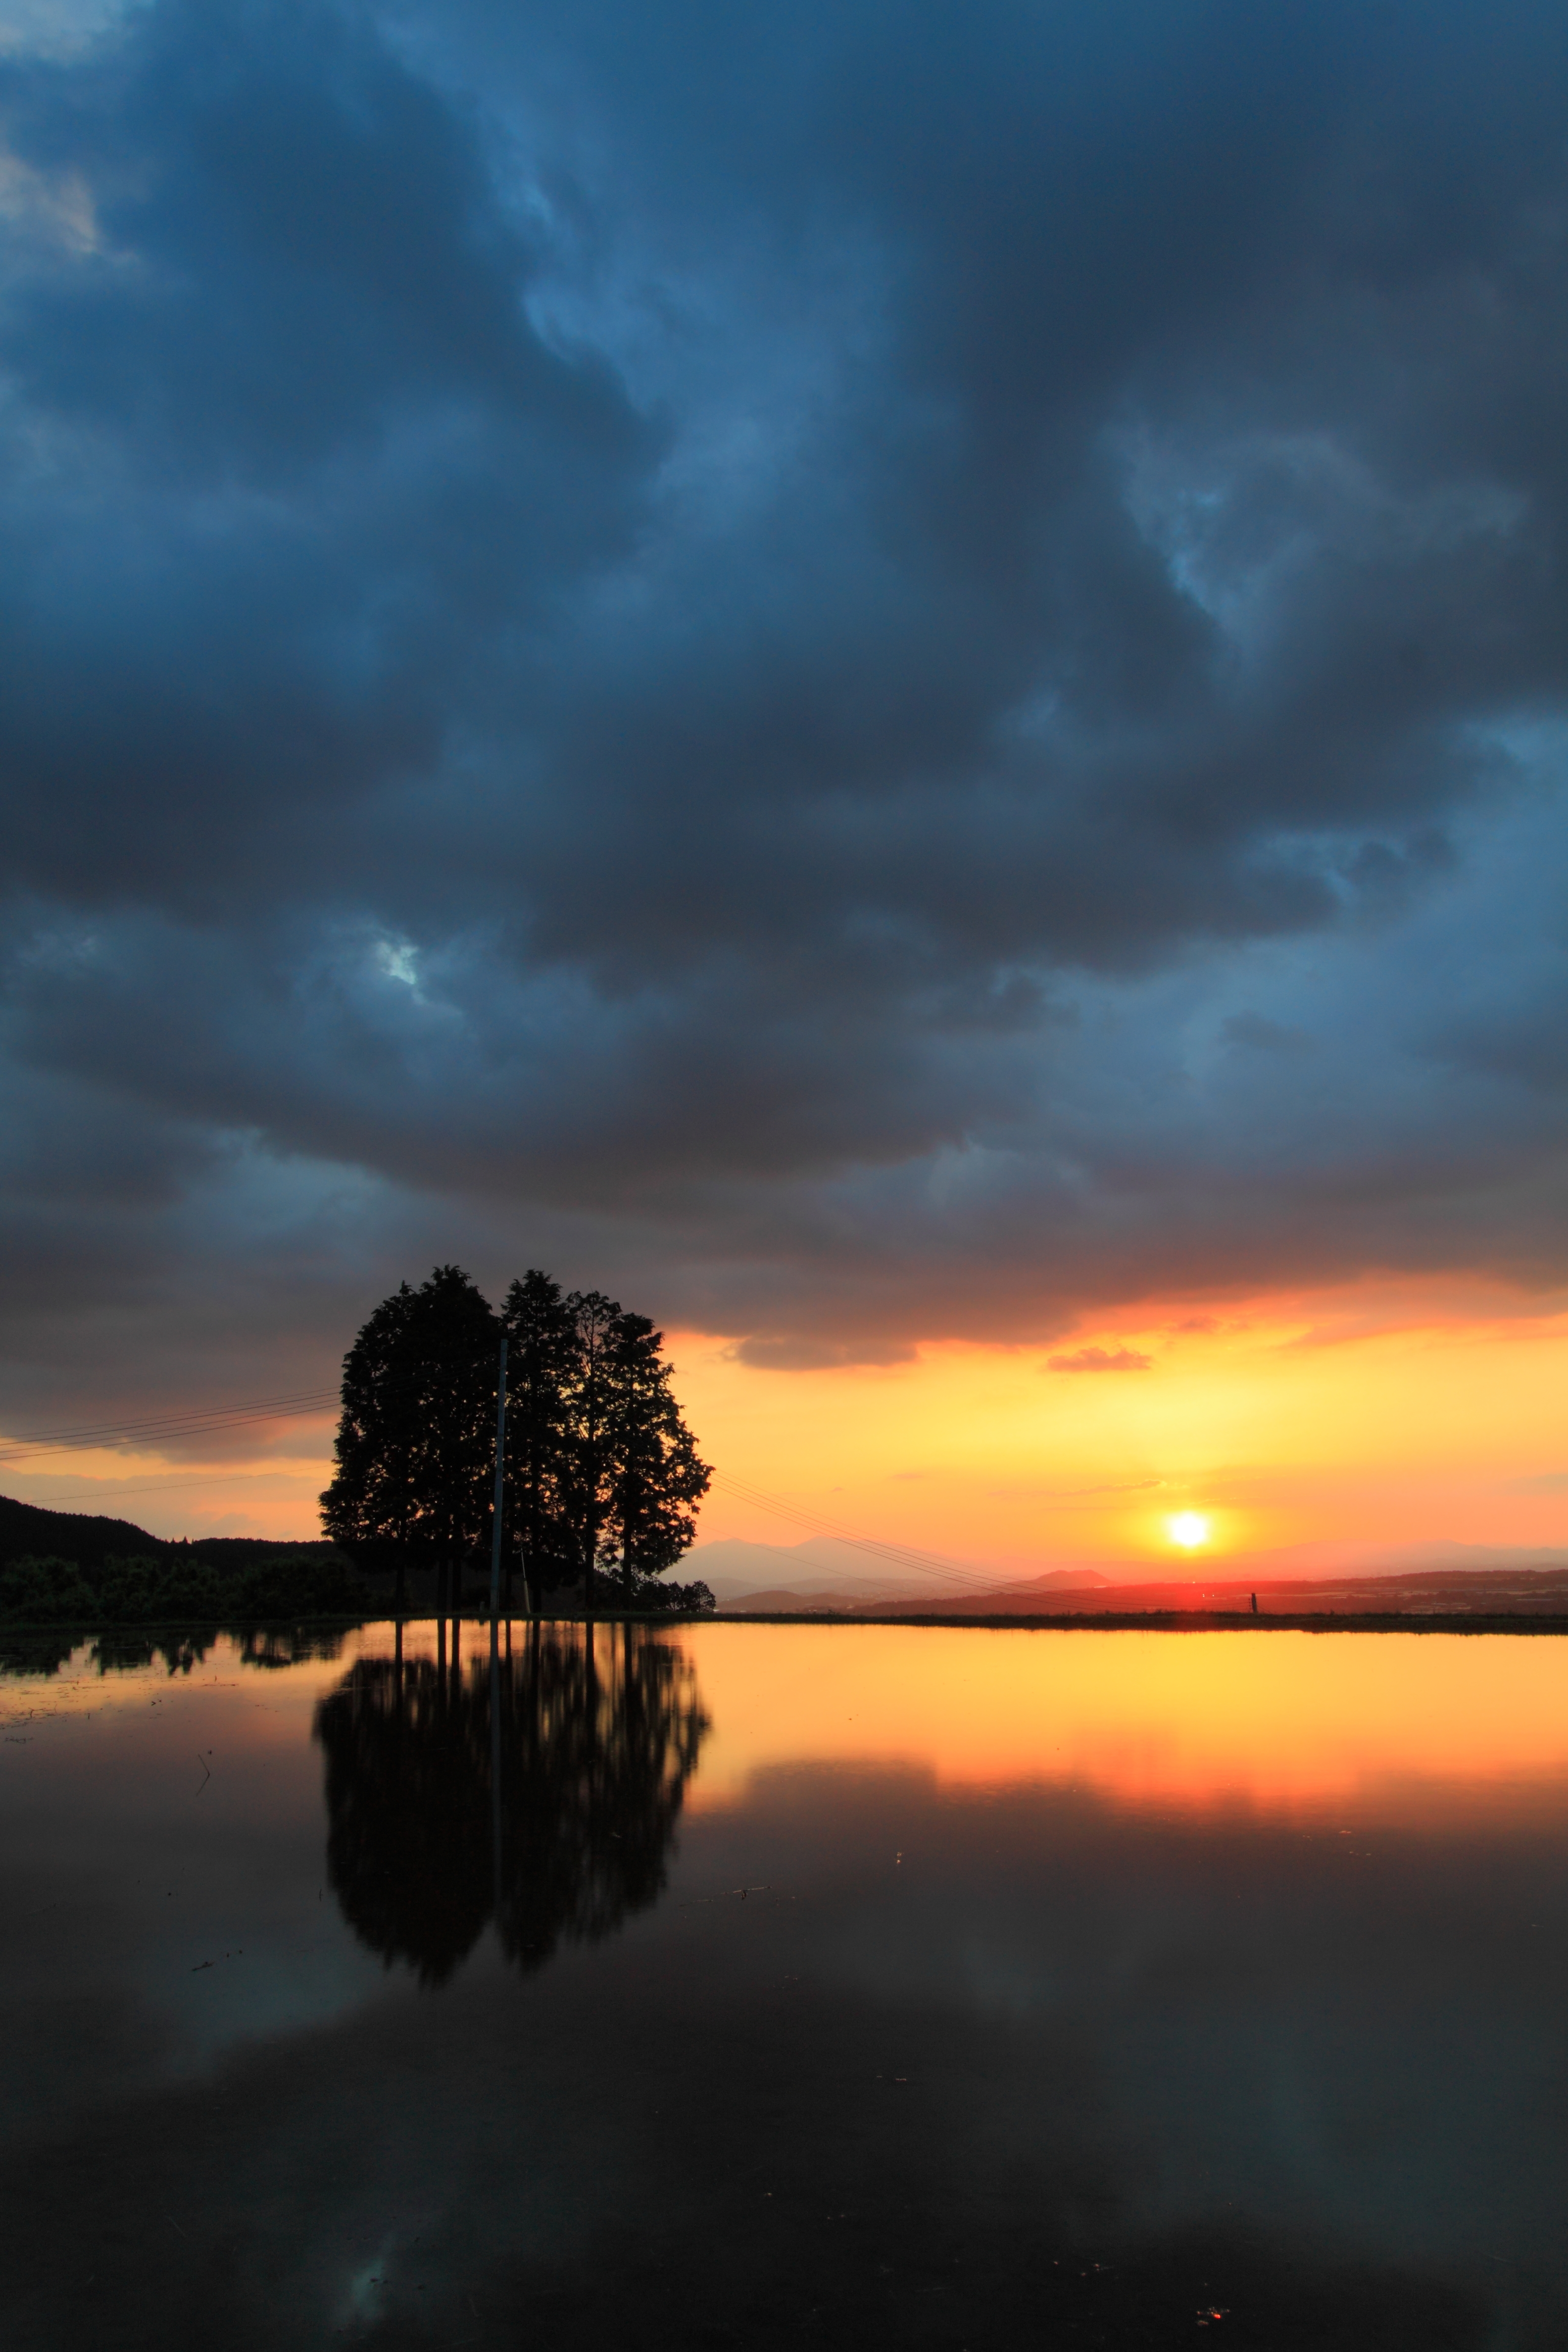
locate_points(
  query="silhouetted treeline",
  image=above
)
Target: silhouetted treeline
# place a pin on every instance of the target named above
(601, 1470)
(176, 1587)
(543, 1792)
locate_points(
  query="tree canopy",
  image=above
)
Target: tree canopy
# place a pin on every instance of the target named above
(600, 1467)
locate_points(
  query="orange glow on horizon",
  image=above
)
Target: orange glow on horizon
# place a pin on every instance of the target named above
(1379, 1414)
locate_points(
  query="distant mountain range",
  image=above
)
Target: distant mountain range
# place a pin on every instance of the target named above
(827, 1577)
(817, 1568)
(1491, 1591)
(824, 1574)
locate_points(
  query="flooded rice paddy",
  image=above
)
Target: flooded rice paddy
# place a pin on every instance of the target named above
(759, 1986)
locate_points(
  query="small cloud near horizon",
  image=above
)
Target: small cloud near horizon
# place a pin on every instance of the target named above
(806, 1355)
(1101, 1360)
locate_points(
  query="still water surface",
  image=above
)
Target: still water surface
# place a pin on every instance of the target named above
(753, 1986)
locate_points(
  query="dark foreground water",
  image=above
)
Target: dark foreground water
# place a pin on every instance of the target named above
(764, 1986)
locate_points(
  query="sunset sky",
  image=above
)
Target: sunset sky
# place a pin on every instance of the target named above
(889, 681)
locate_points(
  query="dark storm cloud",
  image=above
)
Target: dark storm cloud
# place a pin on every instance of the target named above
(290, 461)
(882, 672)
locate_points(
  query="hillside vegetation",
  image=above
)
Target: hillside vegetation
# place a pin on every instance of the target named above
(58, 1568)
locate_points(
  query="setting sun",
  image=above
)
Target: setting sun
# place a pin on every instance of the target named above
(1188, 1529)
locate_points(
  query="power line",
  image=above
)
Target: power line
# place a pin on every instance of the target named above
(279, 1400)
(163, 1428)
(167, 1486)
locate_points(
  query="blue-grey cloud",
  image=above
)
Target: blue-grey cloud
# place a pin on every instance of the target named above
(878, 673)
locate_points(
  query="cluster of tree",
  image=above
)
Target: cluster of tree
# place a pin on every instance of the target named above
(543, 1792)
(600, 1470)
(175, 1587)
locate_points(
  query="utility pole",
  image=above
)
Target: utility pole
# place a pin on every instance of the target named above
(500, 1463)
(495, 1614)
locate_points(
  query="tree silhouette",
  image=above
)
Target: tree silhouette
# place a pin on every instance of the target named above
(542, 1330)
(543, 1790)
(600, 1468)
(656, 1479)
(415, 1439)
(590, 1403)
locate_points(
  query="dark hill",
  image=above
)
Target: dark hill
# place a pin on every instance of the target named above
(27, 1528)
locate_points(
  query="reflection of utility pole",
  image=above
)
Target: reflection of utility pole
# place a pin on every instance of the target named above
(500, 1463)
(495, 1759)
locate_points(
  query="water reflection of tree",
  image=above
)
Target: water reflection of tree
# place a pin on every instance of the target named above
(125, 1649)
(285, 1646)
(541, 1790)
(119, 1650)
